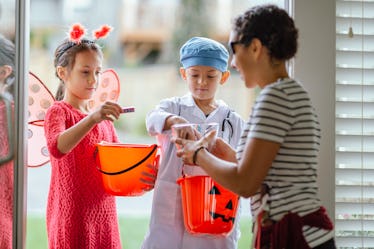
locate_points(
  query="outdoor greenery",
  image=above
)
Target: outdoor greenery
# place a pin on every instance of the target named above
(132, 230)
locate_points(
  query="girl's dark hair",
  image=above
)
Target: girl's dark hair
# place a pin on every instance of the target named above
(272, 26)
(7, 57)
(65, 57)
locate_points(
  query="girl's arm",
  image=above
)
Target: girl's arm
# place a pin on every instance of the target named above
(68, 139)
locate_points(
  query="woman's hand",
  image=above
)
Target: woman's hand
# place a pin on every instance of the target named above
(187, 148)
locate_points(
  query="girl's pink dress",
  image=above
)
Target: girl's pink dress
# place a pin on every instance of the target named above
(80, 214)
(6, 185)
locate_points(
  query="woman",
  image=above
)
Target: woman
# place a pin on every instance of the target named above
(276, 161)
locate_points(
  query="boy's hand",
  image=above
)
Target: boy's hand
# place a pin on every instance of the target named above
(173, 119)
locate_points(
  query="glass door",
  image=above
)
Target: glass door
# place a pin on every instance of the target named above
(13, 68)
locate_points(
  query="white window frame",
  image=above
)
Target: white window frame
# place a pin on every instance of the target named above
(354, 194)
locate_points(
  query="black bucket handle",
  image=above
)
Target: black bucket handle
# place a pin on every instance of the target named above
(125, 170)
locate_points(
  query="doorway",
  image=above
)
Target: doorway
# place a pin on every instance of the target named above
(14, 36)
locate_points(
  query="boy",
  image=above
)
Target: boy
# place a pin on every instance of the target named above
(204, 68)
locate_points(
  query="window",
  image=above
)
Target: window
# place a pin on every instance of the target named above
(354, 196)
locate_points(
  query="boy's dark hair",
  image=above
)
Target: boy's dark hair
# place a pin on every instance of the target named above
(272, 26)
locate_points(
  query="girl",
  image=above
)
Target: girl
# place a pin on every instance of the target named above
(7, 66)
(276, 160)
(80, 214)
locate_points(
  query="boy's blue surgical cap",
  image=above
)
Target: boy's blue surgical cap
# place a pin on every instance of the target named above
(200, 51)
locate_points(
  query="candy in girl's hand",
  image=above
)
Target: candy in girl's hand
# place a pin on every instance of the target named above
(128, 109)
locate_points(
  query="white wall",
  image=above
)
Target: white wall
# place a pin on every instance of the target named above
(315, 67)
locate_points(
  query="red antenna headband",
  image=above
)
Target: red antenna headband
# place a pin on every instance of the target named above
(77, 31)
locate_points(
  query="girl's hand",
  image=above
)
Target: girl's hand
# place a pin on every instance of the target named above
(68, 139)
(107, 111)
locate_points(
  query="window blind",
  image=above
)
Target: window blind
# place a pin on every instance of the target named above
(354, 179)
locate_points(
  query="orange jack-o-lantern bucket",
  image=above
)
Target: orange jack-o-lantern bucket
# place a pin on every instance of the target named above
(208, 208)
(125, 167)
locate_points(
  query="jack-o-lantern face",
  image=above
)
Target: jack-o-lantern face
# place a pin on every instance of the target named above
(207, 207)
(225, 204)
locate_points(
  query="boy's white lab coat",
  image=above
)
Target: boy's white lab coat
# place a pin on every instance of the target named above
(166, 229)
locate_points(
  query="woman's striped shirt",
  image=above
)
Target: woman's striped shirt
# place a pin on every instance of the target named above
(283, 113)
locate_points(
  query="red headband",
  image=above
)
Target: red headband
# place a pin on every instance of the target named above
(77, 32)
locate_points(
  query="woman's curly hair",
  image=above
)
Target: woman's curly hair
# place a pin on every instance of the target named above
(272, 26)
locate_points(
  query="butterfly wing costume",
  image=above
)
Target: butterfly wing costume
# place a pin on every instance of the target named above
(40, 99)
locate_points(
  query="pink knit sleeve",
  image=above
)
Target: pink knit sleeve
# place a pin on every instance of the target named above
(54, 124)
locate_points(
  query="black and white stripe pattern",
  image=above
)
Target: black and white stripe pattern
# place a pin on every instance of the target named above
(283, 114)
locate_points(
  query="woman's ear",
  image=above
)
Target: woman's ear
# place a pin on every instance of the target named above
(182, 72)
(256, 47)
(225, 76)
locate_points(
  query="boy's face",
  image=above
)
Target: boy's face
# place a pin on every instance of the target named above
(202, 81)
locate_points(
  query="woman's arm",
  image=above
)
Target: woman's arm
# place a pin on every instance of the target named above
(223, 150)
(244, 177)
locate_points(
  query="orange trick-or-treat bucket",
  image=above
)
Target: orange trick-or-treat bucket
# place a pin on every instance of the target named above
(126, 167)
(208, 208)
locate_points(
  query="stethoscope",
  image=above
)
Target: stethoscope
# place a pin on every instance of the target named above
(226, 122)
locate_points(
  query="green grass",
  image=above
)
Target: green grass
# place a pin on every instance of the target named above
(131, 237)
